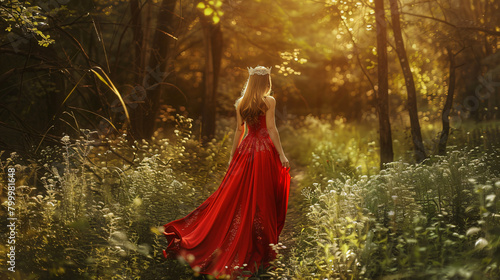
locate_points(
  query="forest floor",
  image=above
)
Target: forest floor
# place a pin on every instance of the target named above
(295, 216)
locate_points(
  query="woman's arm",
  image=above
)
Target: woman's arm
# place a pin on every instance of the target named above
(273, 131)
(237, 133)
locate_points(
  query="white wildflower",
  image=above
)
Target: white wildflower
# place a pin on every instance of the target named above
(472, 231)
(481, 243)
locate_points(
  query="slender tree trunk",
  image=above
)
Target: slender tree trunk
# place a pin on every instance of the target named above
(148, 97)
(213, 55)
(135, 10)
(382, 94)
(416, 134)
(445, 116)
(148, 27)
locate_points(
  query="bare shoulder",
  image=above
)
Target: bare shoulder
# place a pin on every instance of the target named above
(237, 103)
(270, 100)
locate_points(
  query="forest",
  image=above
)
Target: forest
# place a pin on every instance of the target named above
(117, 116)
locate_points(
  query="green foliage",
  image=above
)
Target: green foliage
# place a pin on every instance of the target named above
(93, 207)
(334, 241)
(26, 17)
(211, 8)
(336, 146)
(437, 220)
(96, 214)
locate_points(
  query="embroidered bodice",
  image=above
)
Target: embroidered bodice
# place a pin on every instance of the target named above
(257, 138)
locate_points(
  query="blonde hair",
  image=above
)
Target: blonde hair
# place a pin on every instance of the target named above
(251, 104)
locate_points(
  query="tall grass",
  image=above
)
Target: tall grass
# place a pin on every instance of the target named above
(92, 208)
(96, 211)
(437, 220)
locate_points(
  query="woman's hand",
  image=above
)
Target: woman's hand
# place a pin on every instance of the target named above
(284, 161)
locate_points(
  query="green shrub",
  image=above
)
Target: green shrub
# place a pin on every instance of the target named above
(435, 220)
(97, 211)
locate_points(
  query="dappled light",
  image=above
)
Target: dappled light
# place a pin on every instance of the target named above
(118, 117)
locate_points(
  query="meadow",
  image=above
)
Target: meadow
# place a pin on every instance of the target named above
(93, 207)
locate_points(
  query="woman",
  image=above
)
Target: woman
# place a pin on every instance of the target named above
(232, 230)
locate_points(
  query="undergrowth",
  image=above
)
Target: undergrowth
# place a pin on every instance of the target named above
(92, 208)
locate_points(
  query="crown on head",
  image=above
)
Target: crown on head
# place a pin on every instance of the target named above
(259, 70)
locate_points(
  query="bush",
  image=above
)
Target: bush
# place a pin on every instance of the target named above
(97, 211)
(435, 220)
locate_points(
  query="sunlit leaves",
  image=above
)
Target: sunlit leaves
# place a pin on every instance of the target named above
(290, 58)
(27, 18)
(211, 9)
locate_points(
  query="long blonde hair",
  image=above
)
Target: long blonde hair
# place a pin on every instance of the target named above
(251, 104)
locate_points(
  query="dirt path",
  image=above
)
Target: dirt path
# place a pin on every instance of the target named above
(295, 215)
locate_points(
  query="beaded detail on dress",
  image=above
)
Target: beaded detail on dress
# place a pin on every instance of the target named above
(257, 139)
(234, 229)
(258, 228)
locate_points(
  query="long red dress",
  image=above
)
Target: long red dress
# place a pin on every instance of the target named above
(235, 226)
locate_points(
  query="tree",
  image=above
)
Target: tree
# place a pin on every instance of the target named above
(386, 151)
(416, 134)
(212, 35)
(143, 117)
(138, 37)
(445, 116)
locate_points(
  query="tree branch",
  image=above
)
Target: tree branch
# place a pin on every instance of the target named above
(480, 29)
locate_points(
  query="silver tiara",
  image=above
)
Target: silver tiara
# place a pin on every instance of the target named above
(259, 70)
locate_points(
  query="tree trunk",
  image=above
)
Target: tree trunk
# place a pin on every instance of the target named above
(148, 95)
(213, 55)
(416, 134)
(135, 10)
(382, 94)
(445, 116)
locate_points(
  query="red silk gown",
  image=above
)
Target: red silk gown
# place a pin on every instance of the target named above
(234, 227)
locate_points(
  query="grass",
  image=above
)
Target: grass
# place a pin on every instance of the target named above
(91, 208)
